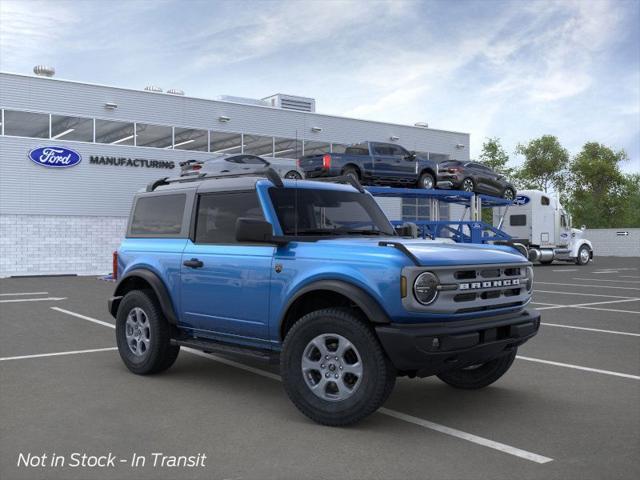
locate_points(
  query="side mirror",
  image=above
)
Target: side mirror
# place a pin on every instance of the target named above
(255, 230)
(411, 156)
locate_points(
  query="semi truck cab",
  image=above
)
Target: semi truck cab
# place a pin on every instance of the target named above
(538, 221)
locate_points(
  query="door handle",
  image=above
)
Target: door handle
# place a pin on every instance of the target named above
(193, 263)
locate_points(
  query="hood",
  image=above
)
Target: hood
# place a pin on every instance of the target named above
(436, 253)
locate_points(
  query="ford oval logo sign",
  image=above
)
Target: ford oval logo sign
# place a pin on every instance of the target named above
(521, 200)
(55, 157)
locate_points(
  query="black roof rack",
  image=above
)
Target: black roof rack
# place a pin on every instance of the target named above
(268, 173)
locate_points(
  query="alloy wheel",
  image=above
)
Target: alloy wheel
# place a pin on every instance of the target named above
(332, 367)
(138, 332)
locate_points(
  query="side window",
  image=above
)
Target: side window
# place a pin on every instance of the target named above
(563, 221)
(397, 151)
(381, 150)
(544, 200)
(518, 220)
(159, 215)
(218, 212)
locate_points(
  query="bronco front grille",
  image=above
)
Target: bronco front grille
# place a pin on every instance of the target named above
(473, 288)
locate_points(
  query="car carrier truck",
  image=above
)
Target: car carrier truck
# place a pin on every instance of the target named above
(538, 221)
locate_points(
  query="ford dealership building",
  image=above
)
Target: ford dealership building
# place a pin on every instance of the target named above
(72, 154)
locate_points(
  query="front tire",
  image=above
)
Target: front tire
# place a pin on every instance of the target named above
(143, 334)
(479, 376)
(584, 255)
(334, 369)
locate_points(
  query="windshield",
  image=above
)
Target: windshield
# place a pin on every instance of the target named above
(304, 211)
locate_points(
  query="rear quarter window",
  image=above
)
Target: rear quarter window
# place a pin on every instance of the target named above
(158, 215)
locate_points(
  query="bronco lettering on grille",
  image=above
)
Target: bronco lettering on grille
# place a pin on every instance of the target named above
(489, 284)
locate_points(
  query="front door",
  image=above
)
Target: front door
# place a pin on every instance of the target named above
(225, 284)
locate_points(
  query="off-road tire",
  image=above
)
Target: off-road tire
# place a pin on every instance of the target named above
(546, 262)
(482, 376)
(161, 354)
(378, 377)
(425, 179)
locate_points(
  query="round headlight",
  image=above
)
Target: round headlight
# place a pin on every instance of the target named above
(529, 279)
(425, 288)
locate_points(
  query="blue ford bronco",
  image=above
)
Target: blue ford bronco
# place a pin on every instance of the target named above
(312, 275)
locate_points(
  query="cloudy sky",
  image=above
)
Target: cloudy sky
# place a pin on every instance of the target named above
(512, 69)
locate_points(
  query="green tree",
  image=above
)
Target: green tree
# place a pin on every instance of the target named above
(544, 165)
(494, 156)
(599, 194)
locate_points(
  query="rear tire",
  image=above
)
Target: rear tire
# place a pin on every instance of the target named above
(293, 175)
(479, 376)
(351, 172)
(427, 181)
(322, 386)
(467, 185)
(546, 262)
(143, 334)
(509, 194)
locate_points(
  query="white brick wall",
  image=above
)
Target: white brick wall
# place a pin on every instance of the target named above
(47, 244)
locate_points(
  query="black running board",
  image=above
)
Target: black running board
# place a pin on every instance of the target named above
(214, 346)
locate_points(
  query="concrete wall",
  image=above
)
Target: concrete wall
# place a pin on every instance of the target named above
(607, 242)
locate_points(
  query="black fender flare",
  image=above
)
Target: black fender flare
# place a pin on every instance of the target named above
(365, 302)
(158, 287)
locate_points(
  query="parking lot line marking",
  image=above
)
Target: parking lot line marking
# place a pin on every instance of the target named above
(88, 319)
(610, 310)
(590, 329)
(579, 367)
(548, 304)
(583, 285)
(398, 415)
(385, 411)
(629, 276)
(49, 299)
(585, 294)
(589, 305)
(57, 354)
(603, 280)
(466, 436)
(22, 293)
(566, 270)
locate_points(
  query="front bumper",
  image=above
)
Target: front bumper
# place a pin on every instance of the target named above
(429, 349)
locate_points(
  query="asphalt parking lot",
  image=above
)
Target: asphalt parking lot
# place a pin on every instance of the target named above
(569, 408)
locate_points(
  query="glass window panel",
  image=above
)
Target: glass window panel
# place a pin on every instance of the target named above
(71, 128)
(258, 145)
(191, 139)
(157, 136)
(26, 124)
(224, 142)
(158, 215)
(438, 157)
(338, 148)
(287, 148)
(218, 213)
(113, 132)
(316, 148)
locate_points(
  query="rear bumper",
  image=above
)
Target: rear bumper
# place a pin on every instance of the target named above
(428, 349)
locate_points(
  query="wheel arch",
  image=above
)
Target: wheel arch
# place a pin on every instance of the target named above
(354, 166)
(140, 279)
(330, 293)
(430, 171)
